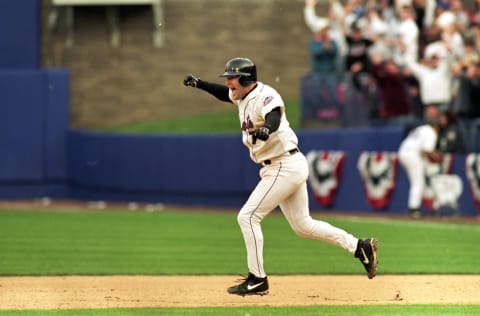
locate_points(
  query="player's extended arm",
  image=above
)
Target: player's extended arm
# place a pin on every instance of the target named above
(272, 122)
(217, 90)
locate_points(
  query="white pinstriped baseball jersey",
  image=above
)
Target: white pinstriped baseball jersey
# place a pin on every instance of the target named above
(251, 111)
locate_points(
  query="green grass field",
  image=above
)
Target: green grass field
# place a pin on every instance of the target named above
(390, 310)
(179, 242)
(169, 242)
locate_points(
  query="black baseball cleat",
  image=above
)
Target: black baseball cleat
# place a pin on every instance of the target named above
(367, 254)
(250, 285)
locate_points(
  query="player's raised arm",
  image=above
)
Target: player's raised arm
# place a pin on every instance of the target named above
(217, 90)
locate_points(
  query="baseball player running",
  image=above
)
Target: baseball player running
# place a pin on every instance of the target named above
(273, 144)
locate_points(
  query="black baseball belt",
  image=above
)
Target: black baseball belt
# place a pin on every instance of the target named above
(291, 152)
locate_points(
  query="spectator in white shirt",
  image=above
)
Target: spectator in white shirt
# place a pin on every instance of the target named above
(407, 36)
(450, 36)
(435, 80)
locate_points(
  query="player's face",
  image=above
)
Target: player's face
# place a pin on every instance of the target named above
(238, 91)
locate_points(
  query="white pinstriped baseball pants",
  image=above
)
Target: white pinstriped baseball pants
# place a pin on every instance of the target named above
(414, 166)
(283, 183)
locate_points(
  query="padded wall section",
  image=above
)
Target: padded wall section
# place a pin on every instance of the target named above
(19, 34)
(215, 169)
(21, 125)
(166, 168)
(56, 86)
(33, 126)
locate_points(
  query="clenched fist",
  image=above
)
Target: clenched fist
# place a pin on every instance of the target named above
(191, 81)
(261, 133)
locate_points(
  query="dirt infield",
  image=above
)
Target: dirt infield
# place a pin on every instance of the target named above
(67, 292)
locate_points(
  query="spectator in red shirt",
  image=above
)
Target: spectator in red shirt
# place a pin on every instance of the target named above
(391, 86)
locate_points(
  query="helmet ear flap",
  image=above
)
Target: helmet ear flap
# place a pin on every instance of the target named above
(245, 81)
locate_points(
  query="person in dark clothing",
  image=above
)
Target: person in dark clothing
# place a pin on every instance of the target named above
(468, 90)
(357, 60)
(450, 138)
(475, 94)
(392, 88)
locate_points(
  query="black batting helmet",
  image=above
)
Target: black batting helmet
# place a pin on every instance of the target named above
(243, 67)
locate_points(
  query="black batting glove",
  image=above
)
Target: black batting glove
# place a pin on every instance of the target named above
(261, 133)
(191, 81)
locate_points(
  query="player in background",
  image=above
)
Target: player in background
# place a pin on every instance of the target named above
(414, 151)
(273, 144)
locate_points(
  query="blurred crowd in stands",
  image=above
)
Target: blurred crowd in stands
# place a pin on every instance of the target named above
(402, 56)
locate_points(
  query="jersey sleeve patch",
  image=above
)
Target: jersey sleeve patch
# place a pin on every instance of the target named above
(266, 100)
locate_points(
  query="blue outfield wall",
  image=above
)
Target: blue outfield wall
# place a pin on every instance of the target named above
(184, 169)
(19, 34)
(214, 170)
(33, 125)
